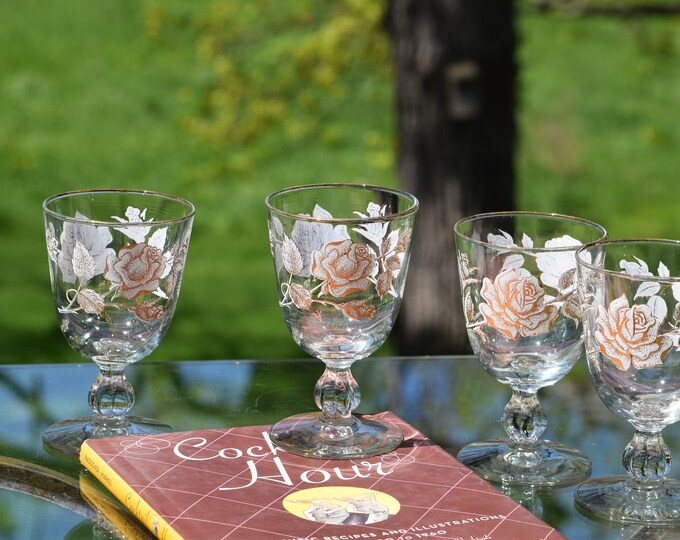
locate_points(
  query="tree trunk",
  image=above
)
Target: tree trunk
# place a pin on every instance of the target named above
(455, 79)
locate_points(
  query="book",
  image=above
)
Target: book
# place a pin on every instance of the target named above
(235, 483)
(110, 513)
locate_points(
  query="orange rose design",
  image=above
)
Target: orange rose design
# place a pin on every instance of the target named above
(344, 266)
(358, 309)
(515, 304)
(147, 311)
(628, 335)
(136, 270)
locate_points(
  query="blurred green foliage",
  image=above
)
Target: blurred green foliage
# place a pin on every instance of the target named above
(599, 120)
(224, 101)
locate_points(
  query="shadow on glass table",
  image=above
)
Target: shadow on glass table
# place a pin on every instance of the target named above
(450, 399)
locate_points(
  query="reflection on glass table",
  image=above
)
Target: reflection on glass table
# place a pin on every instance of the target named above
(445, 397)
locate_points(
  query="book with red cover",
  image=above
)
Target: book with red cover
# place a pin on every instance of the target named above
(234, 483)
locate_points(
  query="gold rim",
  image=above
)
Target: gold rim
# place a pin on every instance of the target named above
(622, 242)
(367, 187)
(154, 194)
(544, 215)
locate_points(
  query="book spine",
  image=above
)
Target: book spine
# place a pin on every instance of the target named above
(125, 494)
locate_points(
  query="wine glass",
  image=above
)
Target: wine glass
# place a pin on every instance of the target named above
(518, 281)
(116, 259)
(631, 317)
(341, 253)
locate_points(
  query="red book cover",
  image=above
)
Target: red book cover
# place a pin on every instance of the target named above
(234, 483)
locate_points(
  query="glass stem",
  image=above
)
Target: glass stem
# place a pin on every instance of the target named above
(337, 394)
(524, 420)
(647, 458)
(525, 495)
(111, 396)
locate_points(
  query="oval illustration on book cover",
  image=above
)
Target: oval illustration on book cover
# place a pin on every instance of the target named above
(342, 505)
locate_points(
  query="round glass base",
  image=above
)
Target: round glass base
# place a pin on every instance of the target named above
(67, 436)
(548, 464)
(308, 435)
(621, 499)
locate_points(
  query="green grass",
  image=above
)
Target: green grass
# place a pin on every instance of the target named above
(96, 94)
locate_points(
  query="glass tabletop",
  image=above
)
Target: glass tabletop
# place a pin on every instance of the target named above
(450, 399)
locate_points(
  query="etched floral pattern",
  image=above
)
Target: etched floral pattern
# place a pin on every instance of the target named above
(516, 304)
(130, 278)
(337, 266)
(345, 267)
(630, 335)
(78, 236)
(147, 311)
(136, 270)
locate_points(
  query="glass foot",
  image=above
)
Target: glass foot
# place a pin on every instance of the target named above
(308, 435)
(549, 464)
(618, 498)
(66, 436)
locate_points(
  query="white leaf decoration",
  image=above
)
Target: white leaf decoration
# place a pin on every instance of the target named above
(169, 263)
(658, 307)
(663, 270)
(160, 293)
(84, 266)
(292, 259)
(320, 212)
(300, 296)
(134, 215)
(513, 261)
(563, 241)
(676, 291)
(567, 280)
(375, 210)
(503, 239)
(90, 301)
(158, 238)
(276, 227)
(390, 243)
(374, 232)
(278, 258)
(554, 264)
(648, 288)
(94, 239)
(639, 268)
(275, 235)
(52, 243)
(527, 241)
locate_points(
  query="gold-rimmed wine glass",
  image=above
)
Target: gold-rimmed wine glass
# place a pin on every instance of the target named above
(116, 259)
(522, 311)
(631, 299)
(341, 254)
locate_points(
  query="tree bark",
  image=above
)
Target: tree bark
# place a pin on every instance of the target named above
(455, 90)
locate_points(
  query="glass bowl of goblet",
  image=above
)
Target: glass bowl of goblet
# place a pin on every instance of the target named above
(631, 299)
(341, 253)
(116, 259)
(518, 280)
